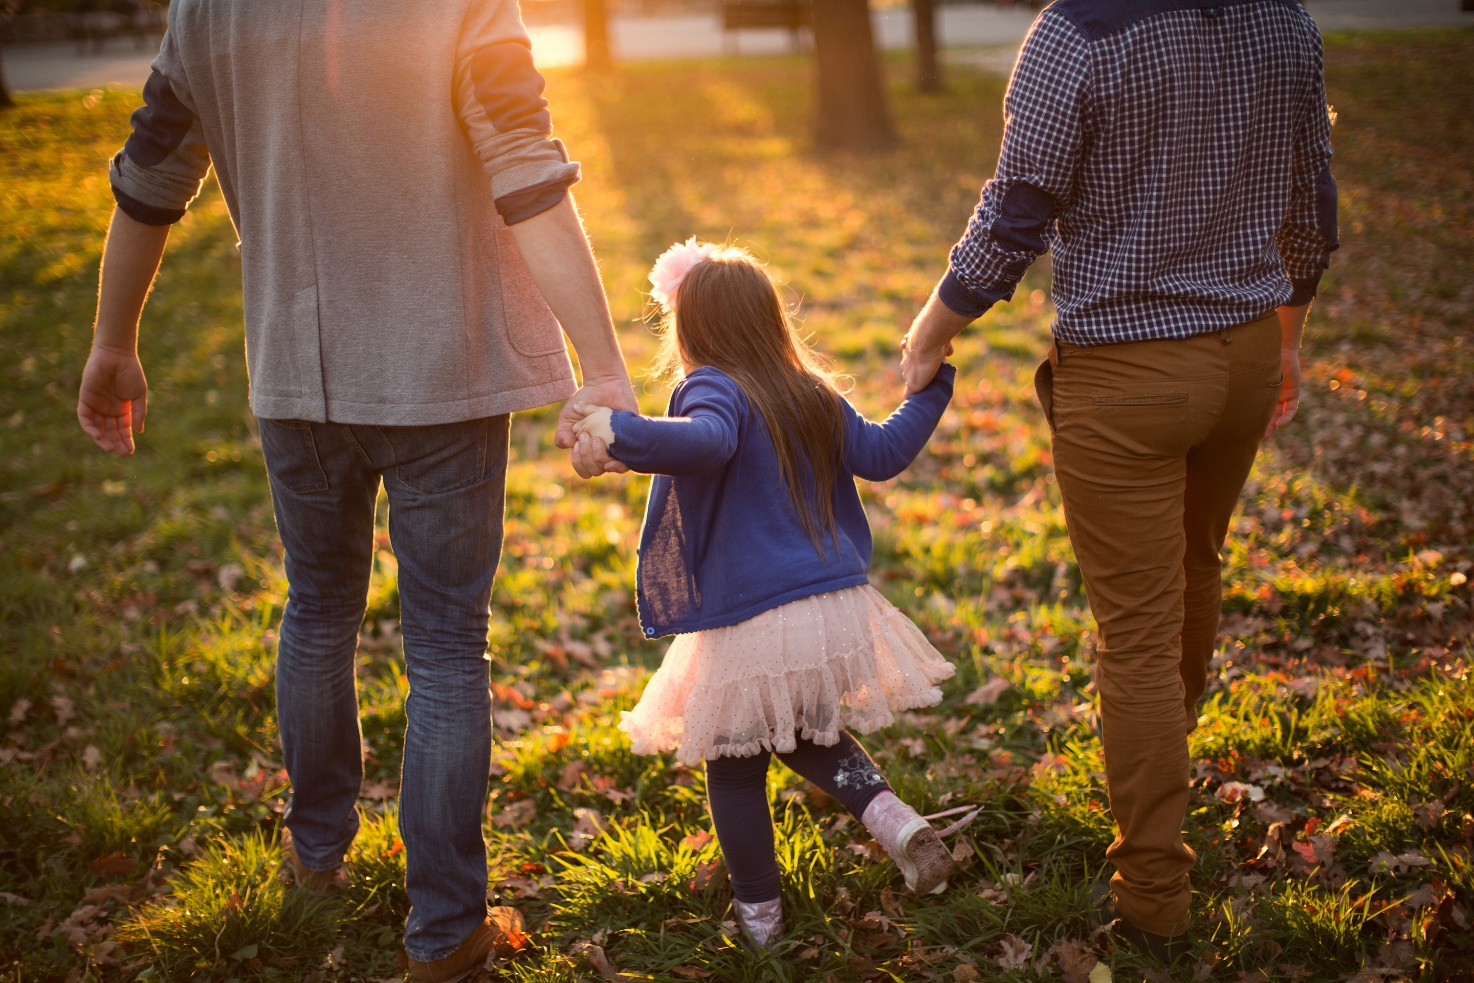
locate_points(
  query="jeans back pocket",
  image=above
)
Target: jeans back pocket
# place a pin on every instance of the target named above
(291, 455)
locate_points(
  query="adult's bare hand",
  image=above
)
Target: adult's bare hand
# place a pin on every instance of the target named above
(1289, 400)
(591, 457)
(113, 400)
(929, 341)
(612, 391)
(919, 363)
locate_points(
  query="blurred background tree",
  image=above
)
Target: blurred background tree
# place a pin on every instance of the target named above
(596, 56)
(852, 112)
(9, 9)
(928, 69)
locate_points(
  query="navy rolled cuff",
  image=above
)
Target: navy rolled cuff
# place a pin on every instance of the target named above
(1303, 291)
(146, 213)
(961, 299)
(519, 206)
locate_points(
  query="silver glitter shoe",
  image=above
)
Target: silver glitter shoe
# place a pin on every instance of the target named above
(763, 922)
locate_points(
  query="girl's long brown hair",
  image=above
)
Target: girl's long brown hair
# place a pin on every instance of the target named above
(728, 315)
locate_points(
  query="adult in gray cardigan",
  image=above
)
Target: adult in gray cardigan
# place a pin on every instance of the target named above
(409, 251)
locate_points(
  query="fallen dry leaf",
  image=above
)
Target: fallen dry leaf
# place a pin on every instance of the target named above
(1100, 974)
(112, 866)
(691, 972)
(696, 842)
(1074, 958)
(1232, 792)
(988, 693)
(64, 709)
(711, 873)
(572, 774)
(229, 575)
(514, 814)
(600, 961)
(124, 893)
(588, 824)
(965, 974)
(510, 928)
(1015, 952)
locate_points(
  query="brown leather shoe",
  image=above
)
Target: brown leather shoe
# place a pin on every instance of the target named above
(469, 955)
(314, 881)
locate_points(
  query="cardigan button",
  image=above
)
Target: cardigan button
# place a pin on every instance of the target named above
(650, 632)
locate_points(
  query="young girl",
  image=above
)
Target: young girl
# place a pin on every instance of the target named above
(754, 554)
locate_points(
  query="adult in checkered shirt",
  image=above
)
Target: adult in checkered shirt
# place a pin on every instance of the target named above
(1174, 155)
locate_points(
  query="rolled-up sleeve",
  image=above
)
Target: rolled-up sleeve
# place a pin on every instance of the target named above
(1310, 231)
(1043, 137)
(499, 95)
(163, 163)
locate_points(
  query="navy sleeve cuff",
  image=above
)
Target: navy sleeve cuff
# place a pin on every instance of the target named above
(1304, 290)
(617, 422)
(519, 206)
(145, 213)
(945, 379)
(960, 299)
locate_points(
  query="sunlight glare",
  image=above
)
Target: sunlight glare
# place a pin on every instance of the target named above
(555, 45)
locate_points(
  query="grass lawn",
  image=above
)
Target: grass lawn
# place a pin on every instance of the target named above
(1333, 804)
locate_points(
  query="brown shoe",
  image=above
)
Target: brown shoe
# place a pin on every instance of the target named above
(470, 955)
(314, 881)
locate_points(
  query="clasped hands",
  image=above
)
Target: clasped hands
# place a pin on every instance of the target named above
(579, 423)
(592, 437)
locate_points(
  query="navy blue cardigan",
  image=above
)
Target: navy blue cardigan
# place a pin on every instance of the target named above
(722, 540)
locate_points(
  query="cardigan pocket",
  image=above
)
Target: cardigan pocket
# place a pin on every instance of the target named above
(531, 328)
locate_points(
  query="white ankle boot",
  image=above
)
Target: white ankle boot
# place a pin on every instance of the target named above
(763, 922)
(915, 847)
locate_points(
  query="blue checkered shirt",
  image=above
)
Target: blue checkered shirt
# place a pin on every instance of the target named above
(1175, 157)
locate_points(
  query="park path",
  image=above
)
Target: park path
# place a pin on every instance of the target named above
(988, 34)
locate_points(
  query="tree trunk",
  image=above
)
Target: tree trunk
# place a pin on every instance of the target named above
(596, 36)
(852, 114)
(928, 71)
(5, 101)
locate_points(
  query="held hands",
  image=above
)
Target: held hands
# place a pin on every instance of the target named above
(113, 400)
(613, 391)
(593, 435)
(919, 363)
(929, 341)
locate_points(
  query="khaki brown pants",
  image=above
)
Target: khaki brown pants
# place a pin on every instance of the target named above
(1153, 441)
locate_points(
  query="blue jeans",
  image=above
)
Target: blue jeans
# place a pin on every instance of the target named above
(446, 486)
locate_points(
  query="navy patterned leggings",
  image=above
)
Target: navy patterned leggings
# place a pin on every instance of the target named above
(737, 790)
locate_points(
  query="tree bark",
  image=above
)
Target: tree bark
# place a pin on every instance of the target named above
(596, 36)
(928, 70)
(852, 113)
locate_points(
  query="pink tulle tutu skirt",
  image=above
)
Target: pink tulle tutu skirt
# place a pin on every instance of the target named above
(848, 659)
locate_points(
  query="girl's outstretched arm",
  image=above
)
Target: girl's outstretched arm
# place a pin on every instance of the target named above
(698, 437)
(880, 451)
